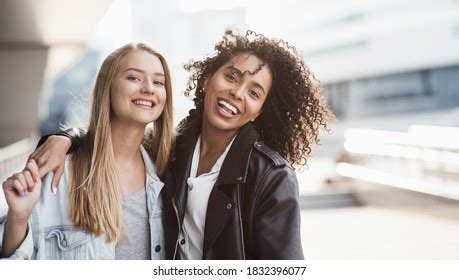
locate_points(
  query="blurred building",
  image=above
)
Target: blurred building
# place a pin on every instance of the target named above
(383, 58)
(387, 66)
(38, 40)
(68, 103)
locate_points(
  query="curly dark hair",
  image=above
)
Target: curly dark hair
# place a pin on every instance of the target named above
(294, 110)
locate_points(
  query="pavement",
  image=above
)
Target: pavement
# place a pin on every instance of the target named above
(375, 233)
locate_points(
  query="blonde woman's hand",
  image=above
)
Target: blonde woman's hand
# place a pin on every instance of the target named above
(22, 191)
(51, 157)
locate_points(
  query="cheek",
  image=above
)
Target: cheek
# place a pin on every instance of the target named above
(209, 104)
(162, 97)
(254, 108)
(116, 104)
(118, 98)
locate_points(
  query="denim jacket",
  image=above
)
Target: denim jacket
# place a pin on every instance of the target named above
(51, 235)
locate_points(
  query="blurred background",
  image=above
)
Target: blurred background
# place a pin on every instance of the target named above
(383, 184)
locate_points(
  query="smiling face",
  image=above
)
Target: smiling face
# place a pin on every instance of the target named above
(138, 91)
(236, 92)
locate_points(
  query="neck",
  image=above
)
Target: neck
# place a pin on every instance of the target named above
(214, 141)
(126, 140)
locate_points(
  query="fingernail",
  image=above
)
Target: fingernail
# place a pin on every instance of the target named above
(23, 194)
(30, 189)
(54, 189)
(36, 178)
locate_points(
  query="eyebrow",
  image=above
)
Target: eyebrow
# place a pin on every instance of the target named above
(141, 71)
(239, 72)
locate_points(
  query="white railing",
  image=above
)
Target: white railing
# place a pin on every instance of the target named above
(423, 159)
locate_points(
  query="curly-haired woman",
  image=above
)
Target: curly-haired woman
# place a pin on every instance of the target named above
(231, 191)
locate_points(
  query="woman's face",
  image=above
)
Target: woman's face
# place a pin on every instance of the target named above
(138, 91)
(233, 96)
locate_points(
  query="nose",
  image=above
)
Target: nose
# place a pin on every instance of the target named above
(147, 87)
(237, 92)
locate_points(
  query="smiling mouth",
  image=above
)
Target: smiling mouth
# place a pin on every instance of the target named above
(143, 103)
(228, 107)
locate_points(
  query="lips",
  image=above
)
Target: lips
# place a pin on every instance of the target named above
(228, 107)
(143, 103)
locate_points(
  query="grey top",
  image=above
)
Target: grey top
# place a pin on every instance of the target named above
(136, 243)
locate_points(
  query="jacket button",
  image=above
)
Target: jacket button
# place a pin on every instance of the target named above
(239, 178)
(157, 248)
(182, 241)
(64, 243)
(228, 206)
(257, 144)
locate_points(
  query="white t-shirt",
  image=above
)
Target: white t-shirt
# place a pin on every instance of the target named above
(191, 239)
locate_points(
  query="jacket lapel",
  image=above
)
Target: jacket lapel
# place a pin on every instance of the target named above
(219, 209)
(181, 167)
(222, 199)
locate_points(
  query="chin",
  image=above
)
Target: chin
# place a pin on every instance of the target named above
(143, 119)
(223, 124)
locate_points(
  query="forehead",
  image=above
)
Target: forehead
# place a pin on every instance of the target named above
(142, 60)
(252, 67)
(247, 62)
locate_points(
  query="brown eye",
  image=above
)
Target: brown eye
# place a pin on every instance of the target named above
(254, 93)
(230, 77)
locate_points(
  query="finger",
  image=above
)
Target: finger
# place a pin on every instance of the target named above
(37, 154)
(8, 184)
(28, 178)
(33, 168)
(45, 168)
(20, 188)
(22, 183)
(33, 154)
(30, 182)
(20, 177)
(57, 176)
(41, 161)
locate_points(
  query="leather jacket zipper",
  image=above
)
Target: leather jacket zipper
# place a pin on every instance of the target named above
(179, 229)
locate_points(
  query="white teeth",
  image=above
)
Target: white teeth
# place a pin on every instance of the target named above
(143, 102)
(230, 107)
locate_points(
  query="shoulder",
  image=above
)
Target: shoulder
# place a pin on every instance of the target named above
(51, 209)
(268, 169)
(263, 152)
(62, 187)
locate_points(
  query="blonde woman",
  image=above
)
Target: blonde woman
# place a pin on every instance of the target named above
(109, 203)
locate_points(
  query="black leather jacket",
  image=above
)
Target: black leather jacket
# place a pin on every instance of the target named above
(253, 210)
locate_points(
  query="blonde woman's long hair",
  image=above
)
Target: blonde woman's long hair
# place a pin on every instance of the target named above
(94, 196)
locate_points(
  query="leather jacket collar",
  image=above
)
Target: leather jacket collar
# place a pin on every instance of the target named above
(233, 172)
